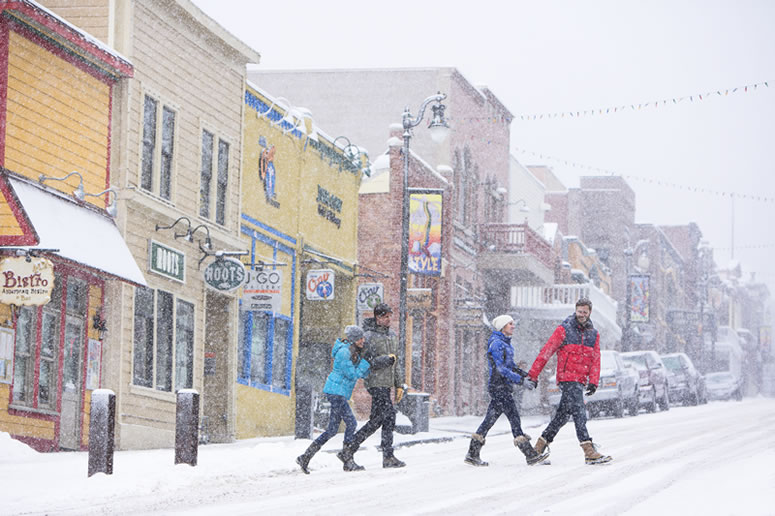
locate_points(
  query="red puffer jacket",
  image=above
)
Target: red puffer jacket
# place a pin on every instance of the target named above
(578, 353)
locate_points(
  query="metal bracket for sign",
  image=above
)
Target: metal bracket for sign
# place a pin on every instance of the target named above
(376, 274)
(259, 266)
(218, 254)
(27, 252)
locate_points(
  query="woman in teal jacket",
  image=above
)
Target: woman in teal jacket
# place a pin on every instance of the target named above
(348, 367)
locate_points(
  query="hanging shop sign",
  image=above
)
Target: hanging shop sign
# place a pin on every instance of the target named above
(263, 291)
(320, 284)
(225, 274)
(639, 297)
(369, 296)
(419, 298)
(26, 281)
(167, 261)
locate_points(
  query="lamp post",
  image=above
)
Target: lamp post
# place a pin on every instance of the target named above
(439, 129)
(643, 264)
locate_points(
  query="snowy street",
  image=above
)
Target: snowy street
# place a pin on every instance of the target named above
(711, 459)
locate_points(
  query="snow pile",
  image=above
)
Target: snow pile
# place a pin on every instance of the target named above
(12, 450)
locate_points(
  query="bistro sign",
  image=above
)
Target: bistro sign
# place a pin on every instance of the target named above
(26, 281)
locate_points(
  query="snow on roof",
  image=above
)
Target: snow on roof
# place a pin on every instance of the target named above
(550, 231)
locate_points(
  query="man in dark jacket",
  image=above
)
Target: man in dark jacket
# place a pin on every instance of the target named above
(380, 342)
(577, 344)
(504, 374)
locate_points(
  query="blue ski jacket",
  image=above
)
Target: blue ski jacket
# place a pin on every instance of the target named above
(500, 355)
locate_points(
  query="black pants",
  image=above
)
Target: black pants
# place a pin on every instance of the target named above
(571, 405)
(382, 415)
(501, 402)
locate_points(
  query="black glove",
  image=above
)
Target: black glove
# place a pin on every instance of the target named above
(591, 388)
(520, 372)
(530, 383)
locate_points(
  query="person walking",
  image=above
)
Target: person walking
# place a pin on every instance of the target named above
(504, 374)
(380, 342)
(349, 365)
(577, 344)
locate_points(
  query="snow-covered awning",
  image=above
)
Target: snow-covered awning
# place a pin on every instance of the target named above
(81, 234)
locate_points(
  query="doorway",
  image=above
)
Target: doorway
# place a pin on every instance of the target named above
(217, 401)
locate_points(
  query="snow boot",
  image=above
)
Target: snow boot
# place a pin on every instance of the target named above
(346, 456)
(303, 459)
(592, 456)
(531, 456)
(472, 457)
(390, 461)
(542, 445)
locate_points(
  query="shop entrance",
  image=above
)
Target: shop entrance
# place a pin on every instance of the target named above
(70, 416)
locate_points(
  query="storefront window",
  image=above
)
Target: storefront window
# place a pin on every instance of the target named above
(154, 352)
(265, 357)
(25, 341)
(258, 349)
(280, 352)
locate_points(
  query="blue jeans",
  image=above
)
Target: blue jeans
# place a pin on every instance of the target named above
(501, 402)
(340, 410)
(571, 405)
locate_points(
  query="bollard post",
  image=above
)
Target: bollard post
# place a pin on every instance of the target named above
(102, 422)
(187, 427)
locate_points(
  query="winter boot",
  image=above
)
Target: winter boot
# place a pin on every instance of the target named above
(592, 456)
(542, 445)
(472, 457)
(531, 456)
(303, 459)
(390, 461)
(346, 456)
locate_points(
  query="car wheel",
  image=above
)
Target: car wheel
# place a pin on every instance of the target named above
(592, 411)
(634, 405)
(694, 398)
(651, 406)
(618, 410)
(664, 403)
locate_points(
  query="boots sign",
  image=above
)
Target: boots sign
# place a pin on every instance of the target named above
(26, 281)
(225, 274)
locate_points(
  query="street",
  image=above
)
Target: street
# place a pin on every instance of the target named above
(710, 459)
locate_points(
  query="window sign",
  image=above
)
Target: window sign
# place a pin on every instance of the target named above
(263, 291)
(26, 282)
(167, 261)
(369, 296)
(320, 284)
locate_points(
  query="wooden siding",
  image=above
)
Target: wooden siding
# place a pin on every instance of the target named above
(91, 16)
(20, 425)
(9, 226)
(57, 119)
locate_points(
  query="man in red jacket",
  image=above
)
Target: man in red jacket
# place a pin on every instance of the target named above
(577, 344)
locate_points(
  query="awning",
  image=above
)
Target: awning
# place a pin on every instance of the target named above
(82, 235)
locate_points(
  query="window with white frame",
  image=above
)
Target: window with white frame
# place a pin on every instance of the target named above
(265, 357)
(157, 159)
(163, 341)
(214, 178)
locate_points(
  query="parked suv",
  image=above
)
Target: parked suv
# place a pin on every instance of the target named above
(654, 385)
(687, 384)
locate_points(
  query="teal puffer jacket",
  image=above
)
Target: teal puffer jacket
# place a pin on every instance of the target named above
(341, 380)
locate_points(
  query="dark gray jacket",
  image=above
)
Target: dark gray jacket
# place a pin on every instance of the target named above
(382, 341)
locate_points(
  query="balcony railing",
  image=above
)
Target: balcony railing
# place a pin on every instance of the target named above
(557, 296)
(516, 238)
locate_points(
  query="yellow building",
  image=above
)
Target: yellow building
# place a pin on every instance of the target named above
(299, 220)
(56, 96)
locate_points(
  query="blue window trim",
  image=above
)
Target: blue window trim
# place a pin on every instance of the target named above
(243, 376)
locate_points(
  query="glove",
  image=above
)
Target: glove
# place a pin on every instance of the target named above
(400, 393)
(529, 383)
(393, 358)
(521, 372)
(591, 388)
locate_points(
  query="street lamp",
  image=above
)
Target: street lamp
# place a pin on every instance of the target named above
(438, 129)
(642, 265)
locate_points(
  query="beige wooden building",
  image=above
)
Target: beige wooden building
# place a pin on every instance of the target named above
(176, 161)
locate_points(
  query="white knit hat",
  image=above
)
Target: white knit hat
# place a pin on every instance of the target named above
(502, 320)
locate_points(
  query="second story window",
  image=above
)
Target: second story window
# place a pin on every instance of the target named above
(158, 148)
(213, 193)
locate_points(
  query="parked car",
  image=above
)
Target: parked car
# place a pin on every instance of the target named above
(687, 385)
(617, 389)
(654, 385)
(723, 386)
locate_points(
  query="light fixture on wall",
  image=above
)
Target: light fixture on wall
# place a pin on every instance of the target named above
(524, 208)
(111, 208)
(78, 193)
(208, 243)
(99, 323)
(177, 235)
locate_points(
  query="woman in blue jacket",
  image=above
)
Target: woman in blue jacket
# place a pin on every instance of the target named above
(348, 367)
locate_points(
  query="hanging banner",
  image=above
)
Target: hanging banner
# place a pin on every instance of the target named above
(639, 298)
(320, 285)
(425, 233)
(26, 281)
(263, 291)
(369, 296)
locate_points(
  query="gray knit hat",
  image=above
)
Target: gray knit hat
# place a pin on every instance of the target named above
(353, 333)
